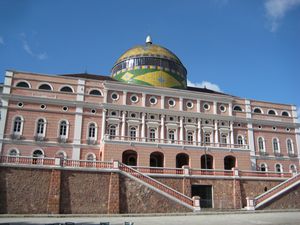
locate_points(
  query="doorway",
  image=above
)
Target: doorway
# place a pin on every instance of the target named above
(205, 194)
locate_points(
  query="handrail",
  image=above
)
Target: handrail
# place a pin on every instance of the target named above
(158, 170)
(156, 184)
(24, 160)
(276, 189)
(87, 163)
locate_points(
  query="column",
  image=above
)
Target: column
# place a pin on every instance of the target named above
(297, 132)
(6, 90)
(199, 132)
(198, 106)
(78, 120)
(162, 128)
(216, 133)
(123, 133)
(105, 95)
(143, 126)
(124, 97)
(230, 109)
(103, 124)
(181, 130)
(250, 134)
(181, 104)
(215, 107)
(162, 105)
(231, 134)
(144, 100)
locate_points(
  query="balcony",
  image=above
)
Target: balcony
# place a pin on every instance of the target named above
(278, 154)
(155, 141)
(292, 155)
(263, 153)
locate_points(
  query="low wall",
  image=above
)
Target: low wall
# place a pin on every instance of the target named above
(44, 190)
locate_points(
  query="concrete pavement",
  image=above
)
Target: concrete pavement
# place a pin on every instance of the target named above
(274, 218)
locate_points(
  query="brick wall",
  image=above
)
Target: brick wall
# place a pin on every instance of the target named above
(289, 200)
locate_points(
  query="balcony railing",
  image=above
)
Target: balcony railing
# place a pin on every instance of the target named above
(87, 164)
(108, 137)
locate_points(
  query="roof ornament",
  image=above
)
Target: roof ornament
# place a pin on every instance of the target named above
(148, 40)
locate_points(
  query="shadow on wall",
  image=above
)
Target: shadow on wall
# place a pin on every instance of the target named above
(65, 202)
(3, 192)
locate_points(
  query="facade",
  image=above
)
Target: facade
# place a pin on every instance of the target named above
(145, 115)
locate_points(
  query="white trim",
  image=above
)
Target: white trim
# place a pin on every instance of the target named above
(189, 101)
(225, 108)
(292, 145)
(42, 83)
(275, 111)
(13, 148)
(289, 115)
(66, 85)
(90, 153)
(237, 110)
(63, 152)
(256, 107)
(153, 97)
(264, 144)
(44, 128)
(281, 168)
(67, 129)
(278, 144)
(111, 96)
(265, 164)
(13, 124)
(206, 103)
(95, 89)
(137, 98)
(25, 81)
(88, 131)
(171, 99)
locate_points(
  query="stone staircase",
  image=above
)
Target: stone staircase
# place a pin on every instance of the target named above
(191, 203)
(268, 196)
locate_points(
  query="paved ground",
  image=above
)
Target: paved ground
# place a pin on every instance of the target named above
(274, 218)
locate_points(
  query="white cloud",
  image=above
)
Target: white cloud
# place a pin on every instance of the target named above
(1, 40)
(27, 48)
(277, 9)
(206, 84)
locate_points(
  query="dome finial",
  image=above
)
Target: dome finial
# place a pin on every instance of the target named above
(148, 40)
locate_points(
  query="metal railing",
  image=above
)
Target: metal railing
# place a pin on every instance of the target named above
(108, 137)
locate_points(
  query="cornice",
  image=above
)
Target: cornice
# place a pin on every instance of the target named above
(167, 92)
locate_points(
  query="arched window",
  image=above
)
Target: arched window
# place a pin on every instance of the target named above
(278, 168)
(112, 131)
(156, 159)
(182, 159)
(132, 133)
(171, 136)
(261, 144)
(61, 155)
(285, 113)
(289, 146)
(38, 154)
(90, 157)
(207, 161)
(152, 135)
(45, 87)
(240, 140)
(276, 148)
(17, 126)
(40, 127)
(63, 128)
(223, 139)
(95, 92)
(13, 152)
(263, 167)
(66, 89)
(92, 131)
(271, 112)
(23, 84)
(257, 110)
(237, 108)
(207, 137)
(190, 137)
(229, 162)
(293, 168)
(129, 157)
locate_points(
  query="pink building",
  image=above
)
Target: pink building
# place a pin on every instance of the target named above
(144, 115)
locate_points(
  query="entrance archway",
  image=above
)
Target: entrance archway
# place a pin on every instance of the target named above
(229, 162)
(182, 159)
(207, 161)
(157, 159)
(129, 157)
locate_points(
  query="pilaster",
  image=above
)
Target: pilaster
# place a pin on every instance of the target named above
(114, 194)
(250, 134)
(162, 128)
(54, 192)
(181, 130)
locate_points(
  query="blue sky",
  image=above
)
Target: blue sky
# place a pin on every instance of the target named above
(247, 48)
